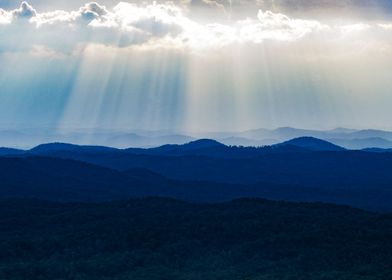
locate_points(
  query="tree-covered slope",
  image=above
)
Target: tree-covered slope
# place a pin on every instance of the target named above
(167, 239)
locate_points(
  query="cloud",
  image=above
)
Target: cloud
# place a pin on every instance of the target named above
(157, 26)
(26, 11)
(5, 17)
(156, 20)
(93, 11)
(90, 12)
(319, 4)
(127, 24)
(276, 26)
(355, 28)
(386, 26)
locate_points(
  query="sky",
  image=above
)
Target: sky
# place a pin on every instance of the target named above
(195, 65)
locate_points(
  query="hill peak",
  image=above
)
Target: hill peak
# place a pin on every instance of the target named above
(55, 147)
(203, 143)
(312, 143)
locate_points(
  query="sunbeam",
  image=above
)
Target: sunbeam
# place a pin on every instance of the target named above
(156, 66)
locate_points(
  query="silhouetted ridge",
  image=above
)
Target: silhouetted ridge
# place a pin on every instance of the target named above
(312, 143)
(203, 143)
(197, 147)
(56, 147)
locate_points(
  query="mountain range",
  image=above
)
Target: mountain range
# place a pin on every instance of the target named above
(347, 138)
(201, 147)
(301, 169)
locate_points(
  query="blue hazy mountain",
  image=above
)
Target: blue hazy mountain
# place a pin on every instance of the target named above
(348, 138)
(202, 147)
(241, 141)
(31, 137)
(148, 140)
(363, 143)
(287, 133)
(372, 133)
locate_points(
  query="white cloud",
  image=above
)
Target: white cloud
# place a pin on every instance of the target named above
(93, 11)
(156, 20)
(386, 26)
(87, 14)
(354, 28)
(153, 26)
(275, 26)
(26, 11)
(5, 17)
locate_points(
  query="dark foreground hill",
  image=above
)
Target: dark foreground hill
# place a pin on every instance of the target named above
(71, 181)
(167, 239)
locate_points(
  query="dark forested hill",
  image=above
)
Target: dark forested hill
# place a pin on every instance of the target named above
(166, 239)
(356, 178)
(305, 161)
(303, 169)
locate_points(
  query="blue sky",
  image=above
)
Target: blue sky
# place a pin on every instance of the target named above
(196, 66)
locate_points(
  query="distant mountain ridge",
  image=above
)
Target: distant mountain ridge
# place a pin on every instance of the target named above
(348, 138)
(363, 143)
(204, 147)
(201, 147)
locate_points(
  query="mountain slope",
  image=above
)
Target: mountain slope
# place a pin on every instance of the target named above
(187, 148)
(159, 238)
(363, 143)
(53, 148)
(359, 179)
(69, 180)
(312, 144)
(10, 151)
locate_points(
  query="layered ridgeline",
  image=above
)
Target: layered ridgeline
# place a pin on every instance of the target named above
(160, 238)
(87, 212)
(302, 169)
(347, 138)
